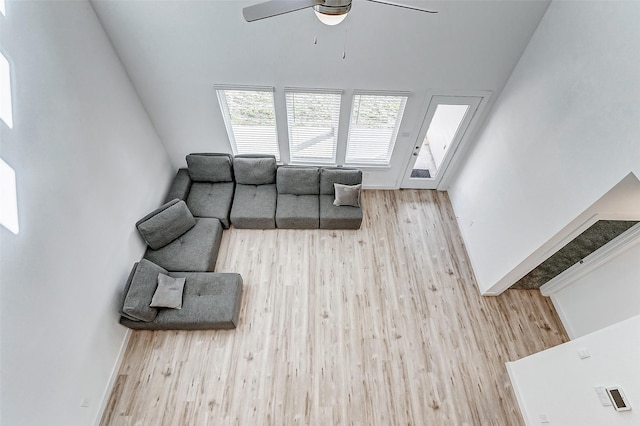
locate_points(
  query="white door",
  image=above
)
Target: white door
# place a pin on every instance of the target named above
(446, 123)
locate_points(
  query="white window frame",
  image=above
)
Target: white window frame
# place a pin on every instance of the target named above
(226, 116)
(394, 134)
(335, 125)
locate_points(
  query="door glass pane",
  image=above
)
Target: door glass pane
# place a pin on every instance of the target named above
(443, 129)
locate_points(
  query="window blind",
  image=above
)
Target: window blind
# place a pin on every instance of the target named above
(312, 119)
(250, 119)
(374, 125)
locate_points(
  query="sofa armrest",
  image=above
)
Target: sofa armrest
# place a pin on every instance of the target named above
(180, 186)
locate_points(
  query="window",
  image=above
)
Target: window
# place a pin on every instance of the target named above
(313, 125)
(8, 198)
(250, 119)
(375, 120)
(6, 109)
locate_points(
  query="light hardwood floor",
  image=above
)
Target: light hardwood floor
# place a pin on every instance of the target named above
(380, 326)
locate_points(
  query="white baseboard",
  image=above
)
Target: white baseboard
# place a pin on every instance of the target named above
(383, 187)
(112, 379)
(517, 392)
(564, 318)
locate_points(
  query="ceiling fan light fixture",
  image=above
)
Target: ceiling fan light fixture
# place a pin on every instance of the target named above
(332, 15)
(330, 19)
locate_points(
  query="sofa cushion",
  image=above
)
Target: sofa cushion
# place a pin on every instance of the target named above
(298, 211)
(298, 180)
(194, 251)
(254, 207)
(168, 294)
(347, 195)
(255, 170)
(210, 301)
(329, 176)
(180, 186)
(210, 167)
(208, 199)
(165, 224)
(139, 291)
(342, 217)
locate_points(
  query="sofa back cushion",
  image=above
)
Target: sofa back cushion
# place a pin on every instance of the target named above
(210, 167)
(255, 169)
(180, 186)
(166, 223)
(329, 176)
(298, 180)
(139, 291)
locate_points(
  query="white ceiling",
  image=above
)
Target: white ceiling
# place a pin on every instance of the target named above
(174, 51)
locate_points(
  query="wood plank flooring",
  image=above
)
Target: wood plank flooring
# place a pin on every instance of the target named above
(380, 326)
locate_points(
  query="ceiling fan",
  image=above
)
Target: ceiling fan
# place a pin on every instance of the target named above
(330, 12)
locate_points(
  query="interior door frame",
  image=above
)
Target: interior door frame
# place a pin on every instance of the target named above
(477, 100)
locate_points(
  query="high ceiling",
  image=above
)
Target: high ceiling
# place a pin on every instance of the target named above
(175, 51)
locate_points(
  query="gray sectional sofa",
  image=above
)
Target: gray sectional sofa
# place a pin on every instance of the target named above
(184, 234)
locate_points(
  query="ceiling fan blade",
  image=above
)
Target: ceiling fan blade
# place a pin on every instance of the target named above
(276, 7)
(393, 3)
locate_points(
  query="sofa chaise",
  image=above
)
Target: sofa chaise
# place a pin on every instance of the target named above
(208, 301)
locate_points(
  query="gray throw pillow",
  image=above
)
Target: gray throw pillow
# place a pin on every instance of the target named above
(347, 195)
(165, 224)
(169, 292)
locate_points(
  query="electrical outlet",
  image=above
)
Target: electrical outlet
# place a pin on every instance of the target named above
(84, 403)
(543, 418)
(583, 353)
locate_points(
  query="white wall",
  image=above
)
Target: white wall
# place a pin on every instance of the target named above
(608, 294)
(556, 382)
(563, 132)
(175, 52)
(88, 164)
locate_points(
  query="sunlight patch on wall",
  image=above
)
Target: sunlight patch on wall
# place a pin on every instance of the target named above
(6, 110)
(8, 198)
